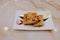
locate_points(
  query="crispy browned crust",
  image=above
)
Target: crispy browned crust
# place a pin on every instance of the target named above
(33, 18)
(30, 18)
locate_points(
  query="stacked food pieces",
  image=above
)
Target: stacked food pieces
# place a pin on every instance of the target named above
(32, 18)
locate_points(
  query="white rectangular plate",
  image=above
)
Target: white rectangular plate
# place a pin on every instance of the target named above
(47, 26)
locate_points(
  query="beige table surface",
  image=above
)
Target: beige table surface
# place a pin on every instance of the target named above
(7, 13)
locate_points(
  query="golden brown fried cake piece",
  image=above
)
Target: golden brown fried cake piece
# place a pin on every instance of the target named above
(30, 18)
(40, 21)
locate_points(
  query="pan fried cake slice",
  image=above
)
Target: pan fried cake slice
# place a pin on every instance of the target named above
(30, 18)
(40, 21)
